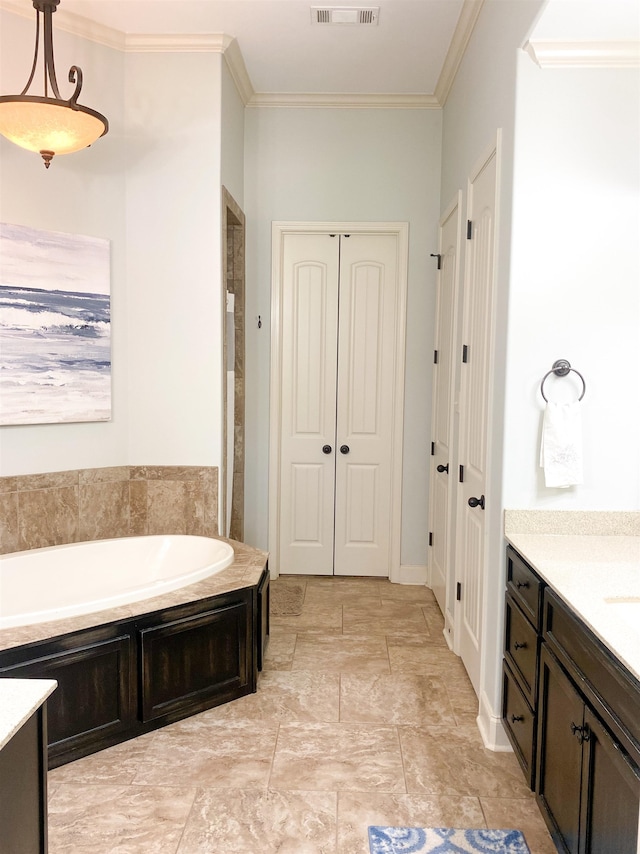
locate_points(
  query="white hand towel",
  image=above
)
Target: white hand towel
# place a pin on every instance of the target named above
(561, 448)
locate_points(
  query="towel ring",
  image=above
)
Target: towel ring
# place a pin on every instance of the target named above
(561, 368)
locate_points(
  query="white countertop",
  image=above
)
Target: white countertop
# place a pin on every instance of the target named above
(598, 576)
(19, 699)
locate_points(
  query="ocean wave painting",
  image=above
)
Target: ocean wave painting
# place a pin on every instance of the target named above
(55, 330)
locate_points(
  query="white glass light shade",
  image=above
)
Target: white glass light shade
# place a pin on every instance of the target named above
(46, 124)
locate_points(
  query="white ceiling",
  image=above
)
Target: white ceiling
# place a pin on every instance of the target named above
(412, 51)
(403, 53)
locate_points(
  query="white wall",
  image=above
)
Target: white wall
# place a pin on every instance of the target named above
(575, 291)
(174, 258)
(81, 193)
(332, 164)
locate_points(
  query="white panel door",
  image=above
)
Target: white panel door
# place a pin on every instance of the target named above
(308, 395)
(338, 401)
(442, 476)
(477, 332)
(365, 403)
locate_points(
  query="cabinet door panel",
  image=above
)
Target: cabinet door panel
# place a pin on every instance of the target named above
(611, 791)
(189, 662)
(560, 755)
(95, 696)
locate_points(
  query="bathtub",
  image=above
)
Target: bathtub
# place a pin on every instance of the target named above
(80, 578)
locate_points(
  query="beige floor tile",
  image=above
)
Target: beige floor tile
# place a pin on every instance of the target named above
(347, 584)
(453, 761)
(341, 654)
(204, 751)
(117, 764)
(289, 696)
(117, 819)
(280, 649)
(424, 655)
(326, 619)
(464, 699)
(337, 757)
(522, 814)
(323, 595)
(357, 811)
(395, 699)
(407, 593)
(393, 618)
(343, 720)
(250, 822)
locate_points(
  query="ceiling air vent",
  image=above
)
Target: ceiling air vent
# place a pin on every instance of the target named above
(344, 14)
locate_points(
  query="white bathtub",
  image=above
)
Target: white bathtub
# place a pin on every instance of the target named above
(64, 581)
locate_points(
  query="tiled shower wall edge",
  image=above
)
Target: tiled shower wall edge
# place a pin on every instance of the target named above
(52, 508)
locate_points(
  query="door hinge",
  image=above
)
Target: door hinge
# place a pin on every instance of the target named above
(458, 591)
(469, 229)
(433, 449)
(439, 257)
(435, 357)
(461, 475)
(430, 538)
(465, 353)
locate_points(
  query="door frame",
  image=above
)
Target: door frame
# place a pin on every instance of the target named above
(278, 230)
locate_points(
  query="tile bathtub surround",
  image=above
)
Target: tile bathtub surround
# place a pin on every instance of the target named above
(359, 720)
(91, 504)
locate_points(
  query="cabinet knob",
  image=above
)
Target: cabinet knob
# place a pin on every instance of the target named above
(522, 584)
(518, 645)
(442, 468)
(344, 449)
(476, 502)
(515, 719)
(326, 449)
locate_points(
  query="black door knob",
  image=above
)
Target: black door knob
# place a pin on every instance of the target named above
(477, 502)
(344, 449)
(442, 468)
(326, 449)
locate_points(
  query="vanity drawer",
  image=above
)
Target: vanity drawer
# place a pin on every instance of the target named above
(521, 648)
(525, 587)
(520, 723)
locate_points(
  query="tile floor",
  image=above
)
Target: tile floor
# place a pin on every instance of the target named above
(362, 716)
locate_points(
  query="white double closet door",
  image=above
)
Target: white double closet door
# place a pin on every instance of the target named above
(339, 305)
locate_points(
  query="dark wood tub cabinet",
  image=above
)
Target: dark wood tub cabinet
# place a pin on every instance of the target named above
(130, 676)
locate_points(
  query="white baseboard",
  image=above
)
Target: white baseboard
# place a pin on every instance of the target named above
(491, 729)
(408, 574)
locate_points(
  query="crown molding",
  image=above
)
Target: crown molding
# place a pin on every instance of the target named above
(464, 28)
(556, 54)
(177, 43)
(238, 71)
(344, 101)
(70, 23)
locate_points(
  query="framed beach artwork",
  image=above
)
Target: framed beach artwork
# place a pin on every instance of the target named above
(55, 332)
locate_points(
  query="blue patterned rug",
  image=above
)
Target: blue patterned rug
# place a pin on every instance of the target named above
(445, 840)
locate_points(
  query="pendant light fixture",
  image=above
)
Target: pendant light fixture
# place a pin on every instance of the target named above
(48, 124)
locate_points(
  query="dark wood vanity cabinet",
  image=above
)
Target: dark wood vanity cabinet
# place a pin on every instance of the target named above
(572, 714)
(588, 775)
(523, 620)
(23, 788)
